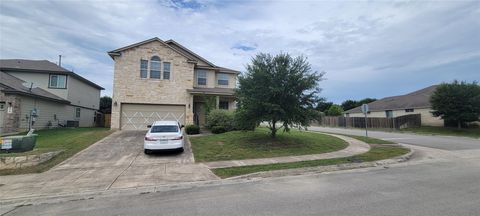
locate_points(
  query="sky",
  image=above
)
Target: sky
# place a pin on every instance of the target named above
(366, 48)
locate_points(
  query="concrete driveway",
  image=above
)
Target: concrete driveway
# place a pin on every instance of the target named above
(115, 162)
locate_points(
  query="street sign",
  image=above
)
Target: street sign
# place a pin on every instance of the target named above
(364, 108)
(365, 111)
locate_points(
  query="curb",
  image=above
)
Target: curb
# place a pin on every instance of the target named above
(329, 168)
(11, 204)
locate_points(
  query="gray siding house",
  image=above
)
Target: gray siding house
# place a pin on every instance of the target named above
(55, 96)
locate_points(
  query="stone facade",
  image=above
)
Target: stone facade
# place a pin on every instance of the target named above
(11, 121)
(25, 161)
(128, 87)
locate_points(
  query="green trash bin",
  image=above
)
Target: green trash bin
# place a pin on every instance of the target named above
(20, 143)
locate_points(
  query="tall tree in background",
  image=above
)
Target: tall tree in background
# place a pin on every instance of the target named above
(278, 89)
(105, 104)
(365, 101)
(323, 105)
(334, 110)
(457, 102)
(349, 104)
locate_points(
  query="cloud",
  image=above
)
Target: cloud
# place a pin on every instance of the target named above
(371, 48)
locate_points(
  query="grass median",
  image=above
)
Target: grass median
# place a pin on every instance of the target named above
(377, 152)
(68, 140)
(237, 145)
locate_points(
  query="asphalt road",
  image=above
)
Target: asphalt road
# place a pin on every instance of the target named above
(438, 142)
(441, 188)
(440, 181)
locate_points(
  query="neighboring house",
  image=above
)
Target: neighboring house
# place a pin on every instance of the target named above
(162, 80)
(417, 102)
(58, 96)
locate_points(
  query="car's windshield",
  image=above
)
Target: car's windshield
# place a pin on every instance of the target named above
(164, 129)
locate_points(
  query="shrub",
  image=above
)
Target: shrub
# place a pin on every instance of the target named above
(218, 129)
(220, 118)
(192, 129)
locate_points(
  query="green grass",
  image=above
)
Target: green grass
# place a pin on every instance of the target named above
(375, 153)
(69, 140)
(237, 145)
(467, 132)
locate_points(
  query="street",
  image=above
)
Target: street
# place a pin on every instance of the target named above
(438, 181)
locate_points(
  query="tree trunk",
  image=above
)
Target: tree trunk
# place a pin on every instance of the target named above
(274, 129)
(459, 124)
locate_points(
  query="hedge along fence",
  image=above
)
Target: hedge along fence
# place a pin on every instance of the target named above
(406, 121)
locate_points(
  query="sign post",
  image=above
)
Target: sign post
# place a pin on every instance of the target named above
(365, 112)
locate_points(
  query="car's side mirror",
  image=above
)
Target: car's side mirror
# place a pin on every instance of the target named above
(149, 126)
(182, 126)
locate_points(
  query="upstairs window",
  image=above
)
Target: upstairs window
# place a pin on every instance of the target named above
(57, 81)
(222, 79)
(166, 70)
(409, 110)
(201, 77)
(155, 67)
(143, 68)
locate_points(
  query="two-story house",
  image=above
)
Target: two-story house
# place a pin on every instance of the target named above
(163, 80)
(41, 94)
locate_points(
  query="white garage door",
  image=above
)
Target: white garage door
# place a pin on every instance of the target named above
(138, 116)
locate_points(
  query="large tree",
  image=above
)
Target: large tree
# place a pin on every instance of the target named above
(349, 104)
(279, 90)
(457, 102)
(334, 110)
(105, 104)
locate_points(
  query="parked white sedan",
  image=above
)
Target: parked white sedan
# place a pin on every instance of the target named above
(164, 135)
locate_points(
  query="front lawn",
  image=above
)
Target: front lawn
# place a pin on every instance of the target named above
(467, 132)
(237, 145)
(377, 152)
(69, 140)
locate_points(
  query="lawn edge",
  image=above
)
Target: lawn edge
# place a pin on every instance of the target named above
(328, 168)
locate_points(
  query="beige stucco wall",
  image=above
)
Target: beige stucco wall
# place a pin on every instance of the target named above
(128, 87)
(427, 118)
(232, 81)
(41, 80)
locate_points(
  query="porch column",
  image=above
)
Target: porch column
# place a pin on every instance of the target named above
(217, 102)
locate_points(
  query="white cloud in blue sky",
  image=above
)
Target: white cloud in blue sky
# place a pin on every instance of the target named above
(366, 48)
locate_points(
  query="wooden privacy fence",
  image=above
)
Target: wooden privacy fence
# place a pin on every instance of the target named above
(406, 121)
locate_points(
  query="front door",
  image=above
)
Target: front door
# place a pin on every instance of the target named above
(199, 112)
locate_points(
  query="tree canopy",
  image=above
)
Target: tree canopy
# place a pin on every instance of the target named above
(105, 104)
(279, 90)
(350, 104)
(334, 110)
(457, 102)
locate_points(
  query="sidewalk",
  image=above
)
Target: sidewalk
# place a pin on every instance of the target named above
(355, 147)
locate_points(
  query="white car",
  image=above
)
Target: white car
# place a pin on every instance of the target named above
(164, 135)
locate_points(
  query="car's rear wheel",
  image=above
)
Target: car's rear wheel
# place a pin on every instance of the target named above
(181, 150)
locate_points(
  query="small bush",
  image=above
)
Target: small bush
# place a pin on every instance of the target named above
(219, 129)
(220, 118)
(192, 129)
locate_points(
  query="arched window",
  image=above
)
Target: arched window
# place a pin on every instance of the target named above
(155, 67)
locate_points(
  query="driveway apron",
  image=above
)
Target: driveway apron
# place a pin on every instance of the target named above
(115, 162)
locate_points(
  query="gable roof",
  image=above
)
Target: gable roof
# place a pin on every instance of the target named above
(40, 66)
(14, 85)
(416, 99)
(190, 55)
(118, 51)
